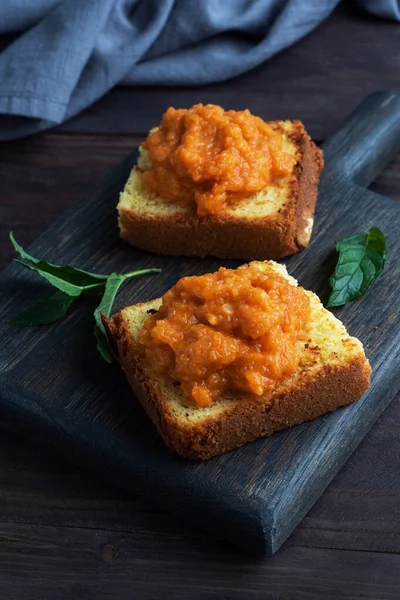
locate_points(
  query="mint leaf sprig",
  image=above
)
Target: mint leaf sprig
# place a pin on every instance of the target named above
(71, 283)
(361, 260)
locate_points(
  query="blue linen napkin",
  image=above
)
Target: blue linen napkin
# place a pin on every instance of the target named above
(66, 54)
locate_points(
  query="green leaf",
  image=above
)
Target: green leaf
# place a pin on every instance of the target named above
(67, 273)
(45, 311)
(361, 260)
(140, 272)
(71, 283)
(60, 284)
(113, 284)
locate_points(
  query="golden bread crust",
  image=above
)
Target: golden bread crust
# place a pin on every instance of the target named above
(312, 395)
(226, 235)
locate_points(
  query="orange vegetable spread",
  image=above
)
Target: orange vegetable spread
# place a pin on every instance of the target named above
(233, 330)
(211, 157)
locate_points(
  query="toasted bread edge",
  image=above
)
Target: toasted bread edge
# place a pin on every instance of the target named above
(312, 396)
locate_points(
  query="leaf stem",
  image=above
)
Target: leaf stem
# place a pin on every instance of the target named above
(141, 272)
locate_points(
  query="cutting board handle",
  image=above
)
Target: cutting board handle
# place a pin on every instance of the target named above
(367, 141)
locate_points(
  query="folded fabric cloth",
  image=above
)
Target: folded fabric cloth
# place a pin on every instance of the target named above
(66, 54)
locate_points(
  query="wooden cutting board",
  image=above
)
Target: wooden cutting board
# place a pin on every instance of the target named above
(56, 390)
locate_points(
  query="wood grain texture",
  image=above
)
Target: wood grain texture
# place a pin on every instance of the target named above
(360, 509)
(72, 403)
(42, 176)
(319, 80)
(220, 574)
(78, 527)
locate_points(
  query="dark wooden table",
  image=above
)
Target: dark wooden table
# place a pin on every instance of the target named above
(64, 533)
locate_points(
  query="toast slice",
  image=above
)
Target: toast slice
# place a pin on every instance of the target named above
(275, 222)
(333, 371)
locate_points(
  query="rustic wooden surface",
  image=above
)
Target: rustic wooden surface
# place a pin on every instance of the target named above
(65, 534)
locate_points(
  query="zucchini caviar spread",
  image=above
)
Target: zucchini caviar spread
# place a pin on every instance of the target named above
(228, 331)
(210, 158)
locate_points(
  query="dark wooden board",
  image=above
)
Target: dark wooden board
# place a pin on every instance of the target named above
(56, 391)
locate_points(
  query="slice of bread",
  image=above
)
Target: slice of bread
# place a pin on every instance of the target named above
(273, 223)
(333, 371)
